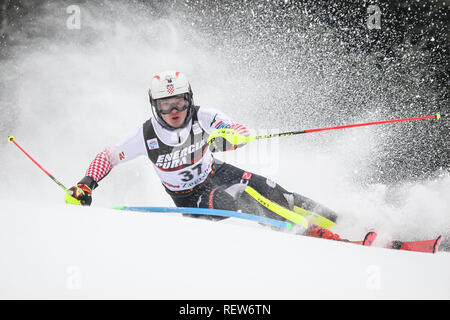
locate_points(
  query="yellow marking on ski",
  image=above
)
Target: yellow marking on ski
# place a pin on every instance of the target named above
(276, 208)
(315, 218)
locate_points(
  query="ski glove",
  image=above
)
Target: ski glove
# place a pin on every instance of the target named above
(225, 140)
(80, 194)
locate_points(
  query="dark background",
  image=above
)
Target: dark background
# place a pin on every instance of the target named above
(408, 57)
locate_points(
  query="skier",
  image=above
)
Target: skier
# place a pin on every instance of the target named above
(175, 139)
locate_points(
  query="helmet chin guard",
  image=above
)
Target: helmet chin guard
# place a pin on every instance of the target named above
(168, 84)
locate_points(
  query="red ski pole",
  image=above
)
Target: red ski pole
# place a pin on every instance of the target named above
(12, 139)
(436, 116)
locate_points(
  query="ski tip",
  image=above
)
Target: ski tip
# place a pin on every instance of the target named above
(437, 244)
(369, 238)
(118, 207)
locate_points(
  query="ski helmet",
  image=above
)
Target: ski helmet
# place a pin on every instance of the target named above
(170, 84)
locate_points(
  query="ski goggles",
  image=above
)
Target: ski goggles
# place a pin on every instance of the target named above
(166, 105)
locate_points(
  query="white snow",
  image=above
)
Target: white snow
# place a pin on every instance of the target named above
(66, 98)
(69, 252)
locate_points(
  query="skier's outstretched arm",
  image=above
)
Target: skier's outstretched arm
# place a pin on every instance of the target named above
(129, 148)
(213, 121)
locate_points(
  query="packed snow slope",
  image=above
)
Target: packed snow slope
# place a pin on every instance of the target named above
(68, 92)
(68, 252)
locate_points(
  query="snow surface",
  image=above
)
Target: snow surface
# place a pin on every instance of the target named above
(68, 252)
(68, 94)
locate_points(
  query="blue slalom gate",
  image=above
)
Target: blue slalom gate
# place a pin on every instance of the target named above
(211, 212)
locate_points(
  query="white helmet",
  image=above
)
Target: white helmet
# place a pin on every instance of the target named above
(168, 84)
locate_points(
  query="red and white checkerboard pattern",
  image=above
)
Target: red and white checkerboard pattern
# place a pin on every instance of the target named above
(100, 166)
(170, 89)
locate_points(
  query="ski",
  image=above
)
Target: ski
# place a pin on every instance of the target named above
(368, 239)
(428, 246)
(211, 212)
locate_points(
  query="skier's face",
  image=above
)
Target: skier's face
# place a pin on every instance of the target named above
(174, 118)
